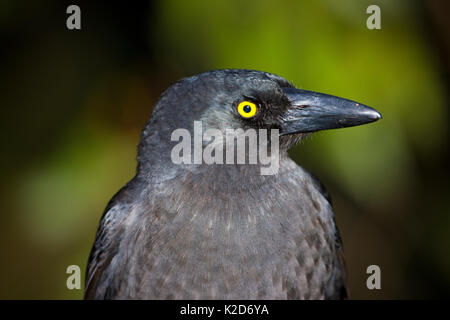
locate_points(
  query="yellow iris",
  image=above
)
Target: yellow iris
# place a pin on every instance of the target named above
(247, 109)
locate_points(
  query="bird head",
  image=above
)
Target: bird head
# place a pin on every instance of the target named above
(247, 99)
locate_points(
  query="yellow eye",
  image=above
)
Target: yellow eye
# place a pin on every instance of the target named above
(247, 109)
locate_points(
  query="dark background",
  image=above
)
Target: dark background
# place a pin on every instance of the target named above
(73, 104)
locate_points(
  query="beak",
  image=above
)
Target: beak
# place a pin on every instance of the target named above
(312, 111)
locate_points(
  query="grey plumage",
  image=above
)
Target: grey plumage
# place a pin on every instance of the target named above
(219, 231)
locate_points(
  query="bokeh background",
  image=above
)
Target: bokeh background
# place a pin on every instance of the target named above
(73, 104)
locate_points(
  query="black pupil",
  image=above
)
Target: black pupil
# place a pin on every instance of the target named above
(247, 108)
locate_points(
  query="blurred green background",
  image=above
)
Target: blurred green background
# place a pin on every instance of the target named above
(73, 104)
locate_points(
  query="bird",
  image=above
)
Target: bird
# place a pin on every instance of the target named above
(197, 230)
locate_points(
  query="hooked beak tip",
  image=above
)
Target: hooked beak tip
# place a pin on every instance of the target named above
(372, 114)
